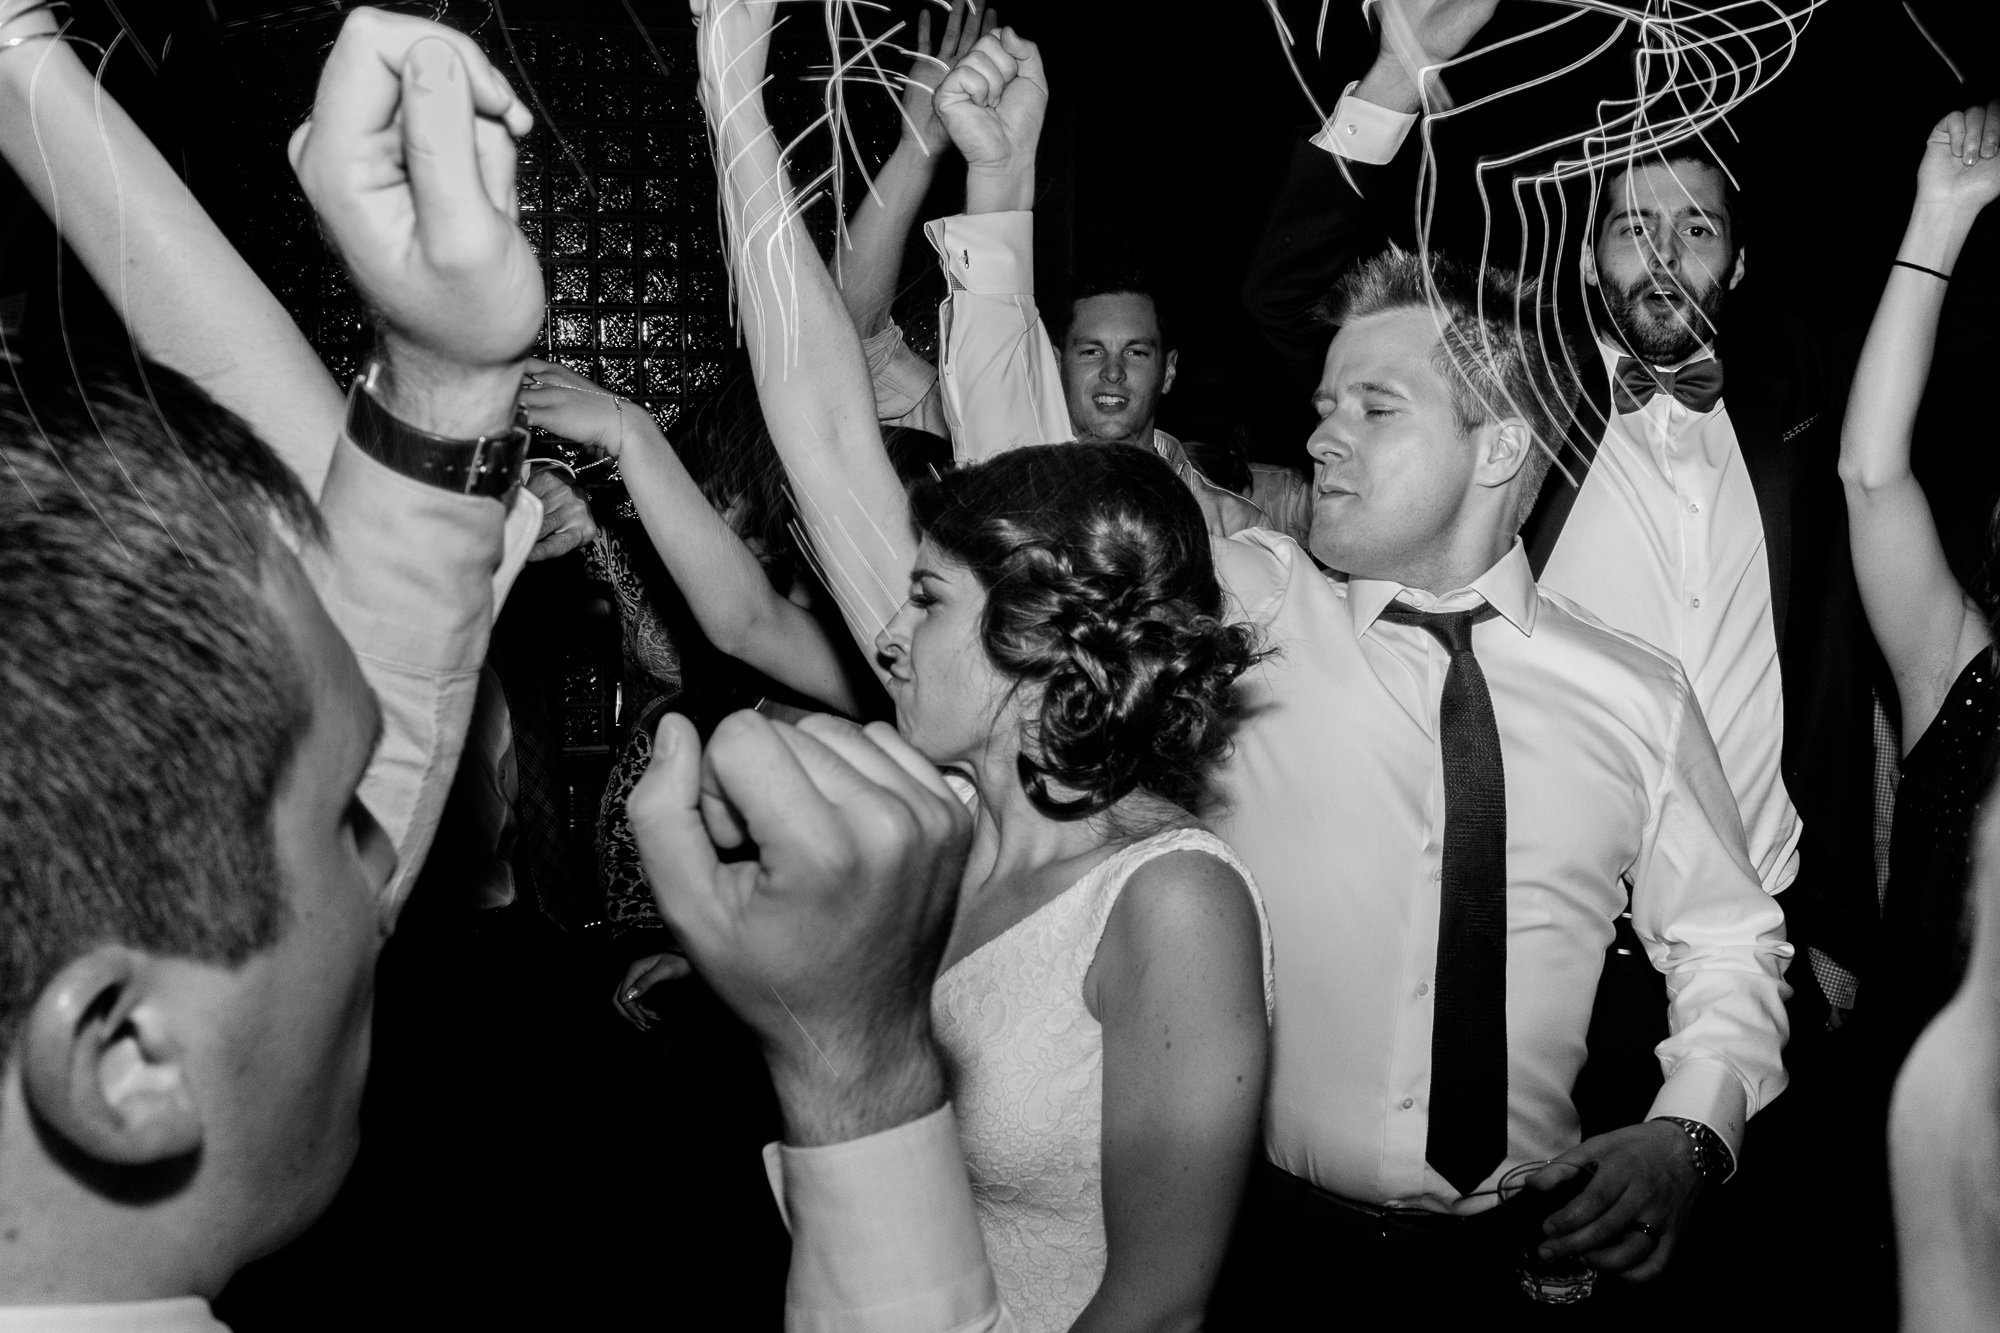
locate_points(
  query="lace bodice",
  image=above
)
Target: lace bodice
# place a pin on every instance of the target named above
(1026, 1061)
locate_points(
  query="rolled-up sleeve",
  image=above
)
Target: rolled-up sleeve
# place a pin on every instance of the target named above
(1002, 386)
(1718, 937)
(413, 576)
(884, 1237)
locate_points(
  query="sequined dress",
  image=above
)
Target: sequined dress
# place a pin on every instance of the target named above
(1924, 938)
(1026, 1063)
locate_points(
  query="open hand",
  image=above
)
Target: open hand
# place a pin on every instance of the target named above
(827, 943)
(567, 405)
(992, 102)
(1629, 1216)
(1961, 165)
(408, 158)
(962, 31)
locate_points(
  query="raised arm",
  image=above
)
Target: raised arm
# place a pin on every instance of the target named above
(187, 297)
(1927, 626)
(1330, 213)
(811, 379)
(413, 185)
(1002, 386)
(725, 586)
(869, 266)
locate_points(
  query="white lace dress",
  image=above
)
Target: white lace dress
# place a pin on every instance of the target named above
(1026, 1062)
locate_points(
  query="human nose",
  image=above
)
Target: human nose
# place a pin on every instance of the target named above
(892, 645)
(1325, 444)
(1113, 370)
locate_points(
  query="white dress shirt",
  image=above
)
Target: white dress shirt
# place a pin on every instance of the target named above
(413, 575)
(1666, 542)
(1335, 795)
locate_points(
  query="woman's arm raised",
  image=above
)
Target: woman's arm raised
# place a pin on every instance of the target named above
(187, 297)
(1927, 626)
(811, 379)
(725, 586)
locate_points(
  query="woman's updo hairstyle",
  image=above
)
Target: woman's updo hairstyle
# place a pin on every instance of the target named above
(1101, 590)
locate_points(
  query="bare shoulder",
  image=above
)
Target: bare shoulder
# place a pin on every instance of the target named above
(1182, 917)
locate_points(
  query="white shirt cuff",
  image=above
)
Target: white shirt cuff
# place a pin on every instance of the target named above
(884, 1237)
(987, 254)
(1363, 132)
(1708, 1091)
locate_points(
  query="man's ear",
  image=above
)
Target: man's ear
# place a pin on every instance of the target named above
(101, 1066)
(1587, 261)
(1173, 364)
(1503, 451)
(1736, 271)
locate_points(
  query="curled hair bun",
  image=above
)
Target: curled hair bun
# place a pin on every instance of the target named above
(1101, 590)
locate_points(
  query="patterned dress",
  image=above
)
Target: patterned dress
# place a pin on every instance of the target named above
(1026, 1062)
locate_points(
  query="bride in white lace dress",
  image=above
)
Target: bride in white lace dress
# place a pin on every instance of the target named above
(1104, 1000)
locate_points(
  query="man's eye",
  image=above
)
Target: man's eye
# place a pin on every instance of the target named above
(1379, 413)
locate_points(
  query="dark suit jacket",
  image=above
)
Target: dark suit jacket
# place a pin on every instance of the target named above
(1786, 394)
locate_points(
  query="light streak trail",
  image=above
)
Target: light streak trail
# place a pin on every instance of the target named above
(1693, 63)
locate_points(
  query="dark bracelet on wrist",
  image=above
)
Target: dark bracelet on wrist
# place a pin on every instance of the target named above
(1904, 263)
(490, 465)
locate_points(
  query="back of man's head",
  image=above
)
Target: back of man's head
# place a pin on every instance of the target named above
(149, 696)
(1491, 350)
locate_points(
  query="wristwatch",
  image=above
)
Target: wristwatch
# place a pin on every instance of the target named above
(1713, 1161)
(491, 465)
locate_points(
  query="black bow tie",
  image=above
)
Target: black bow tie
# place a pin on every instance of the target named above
(1697, 386)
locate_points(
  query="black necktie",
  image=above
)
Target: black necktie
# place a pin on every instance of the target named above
(1697, 385)
(1468, 1125)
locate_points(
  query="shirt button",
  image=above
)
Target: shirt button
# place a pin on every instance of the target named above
(1423, 988)
(1694, 507)
(1408, 1102)
(1697, 603)
(1351, 128)
(1438, 874)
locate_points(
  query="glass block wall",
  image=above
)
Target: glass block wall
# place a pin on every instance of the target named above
(618, 197)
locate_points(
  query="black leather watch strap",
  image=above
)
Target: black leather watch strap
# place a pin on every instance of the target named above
(491, 465)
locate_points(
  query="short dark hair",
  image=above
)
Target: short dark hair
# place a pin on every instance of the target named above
(1116, 282)
(150, 698)
(1490, 347)
(1101, 589)
(1691, 151)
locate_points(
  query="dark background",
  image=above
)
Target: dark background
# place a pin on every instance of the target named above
(528, 1160)
(1168, 131)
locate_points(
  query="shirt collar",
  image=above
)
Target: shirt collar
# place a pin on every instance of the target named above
(1508, 587)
